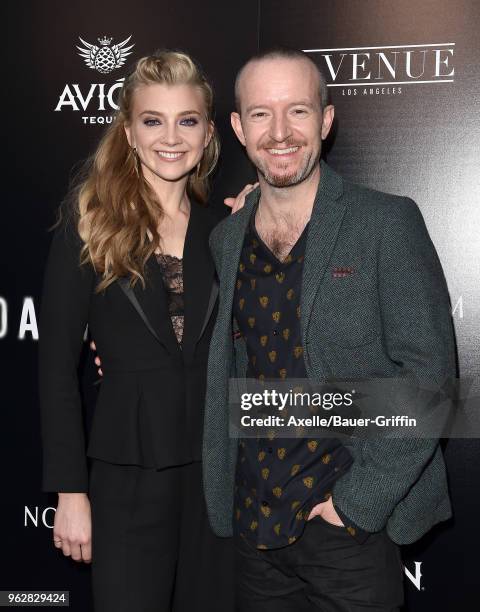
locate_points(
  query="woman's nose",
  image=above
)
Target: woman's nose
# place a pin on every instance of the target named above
(171, 137)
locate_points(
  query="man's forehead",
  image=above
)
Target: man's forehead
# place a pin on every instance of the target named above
(270, 67)
(278, 79)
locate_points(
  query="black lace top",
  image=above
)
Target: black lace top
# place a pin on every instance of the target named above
(172, 272)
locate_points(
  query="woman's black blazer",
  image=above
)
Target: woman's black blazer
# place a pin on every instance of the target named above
(150, 405)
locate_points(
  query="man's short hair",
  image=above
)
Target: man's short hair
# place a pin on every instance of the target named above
(284, 53)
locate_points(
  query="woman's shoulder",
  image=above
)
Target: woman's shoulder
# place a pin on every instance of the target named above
(66, 245)
(65, 228)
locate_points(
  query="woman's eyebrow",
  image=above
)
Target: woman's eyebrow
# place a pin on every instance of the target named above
(181, 114)
(189, 112)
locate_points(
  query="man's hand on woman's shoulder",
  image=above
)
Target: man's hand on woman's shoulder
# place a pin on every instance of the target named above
(237, 202)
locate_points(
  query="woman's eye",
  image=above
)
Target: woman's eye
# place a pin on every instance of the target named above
(151, 122)
(189, 121)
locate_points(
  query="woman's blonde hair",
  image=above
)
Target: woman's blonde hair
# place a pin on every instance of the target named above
(117, 210)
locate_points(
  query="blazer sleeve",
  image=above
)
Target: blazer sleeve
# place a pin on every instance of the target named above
(418, 336)
(63, 318)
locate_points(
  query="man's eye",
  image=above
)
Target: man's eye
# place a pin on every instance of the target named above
(259, 114)
(189, 121)
(299, 111)
(151, 122)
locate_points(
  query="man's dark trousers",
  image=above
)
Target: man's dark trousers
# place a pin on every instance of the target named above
(326, 569)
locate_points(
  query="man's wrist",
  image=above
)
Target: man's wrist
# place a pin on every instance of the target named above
(354, 530)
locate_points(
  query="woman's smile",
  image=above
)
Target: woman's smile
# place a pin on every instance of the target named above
(171, 156)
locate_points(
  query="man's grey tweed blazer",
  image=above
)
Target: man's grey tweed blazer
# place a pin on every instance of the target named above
(390, 318)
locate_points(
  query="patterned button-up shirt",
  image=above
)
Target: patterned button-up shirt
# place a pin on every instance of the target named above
(278, 481)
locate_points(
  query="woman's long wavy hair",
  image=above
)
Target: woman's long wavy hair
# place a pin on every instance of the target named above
(117, 212)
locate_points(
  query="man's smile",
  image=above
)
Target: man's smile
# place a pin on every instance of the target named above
(283, 152)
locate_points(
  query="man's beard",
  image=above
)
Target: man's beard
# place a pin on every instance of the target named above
(288, 180)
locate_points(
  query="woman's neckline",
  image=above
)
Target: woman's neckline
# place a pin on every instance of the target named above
(169, 256)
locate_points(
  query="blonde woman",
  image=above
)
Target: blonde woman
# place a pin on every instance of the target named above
(130, 259)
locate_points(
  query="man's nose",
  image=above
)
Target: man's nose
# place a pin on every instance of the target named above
(280, 128)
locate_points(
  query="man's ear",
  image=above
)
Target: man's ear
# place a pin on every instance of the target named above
(327, 120)
(237, 127)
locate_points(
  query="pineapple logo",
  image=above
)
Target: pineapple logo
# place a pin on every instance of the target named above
(105, 58)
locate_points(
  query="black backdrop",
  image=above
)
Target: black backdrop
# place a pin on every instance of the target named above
(393, 132)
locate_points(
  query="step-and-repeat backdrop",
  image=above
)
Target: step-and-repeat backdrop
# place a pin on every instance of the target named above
(403, 76)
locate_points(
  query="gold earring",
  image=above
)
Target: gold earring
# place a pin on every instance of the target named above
(136, 160)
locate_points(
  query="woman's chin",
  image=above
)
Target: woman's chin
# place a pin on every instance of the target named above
(170, 173)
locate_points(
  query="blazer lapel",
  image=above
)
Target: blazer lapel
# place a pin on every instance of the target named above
(151, 304)
(124, 284)
(325, 221)
(211, 303)
(199, 284)
(200, 289)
